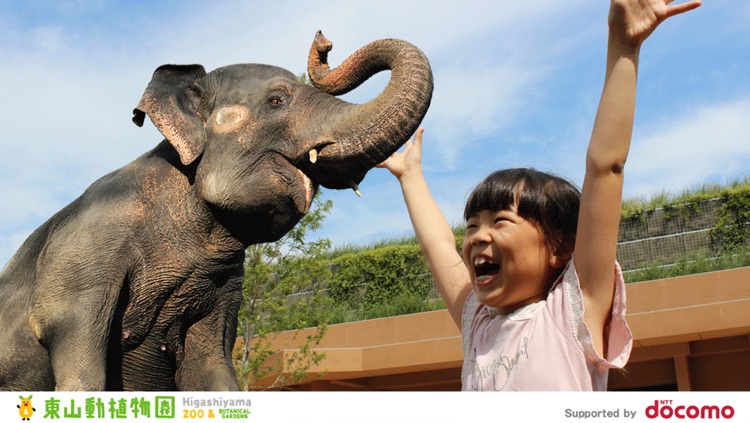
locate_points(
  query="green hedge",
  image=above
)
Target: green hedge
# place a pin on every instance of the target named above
(376, 276)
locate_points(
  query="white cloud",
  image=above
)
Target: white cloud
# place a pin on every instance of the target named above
(711, 143)
(483, 98)
(70, 90)
(48, 39)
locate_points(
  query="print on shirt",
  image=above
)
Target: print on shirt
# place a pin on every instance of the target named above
(497, 372)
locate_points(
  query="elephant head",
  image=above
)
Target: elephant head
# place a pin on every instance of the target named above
(258, 142)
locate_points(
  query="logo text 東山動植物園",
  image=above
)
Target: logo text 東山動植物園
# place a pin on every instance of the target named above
(113, 408)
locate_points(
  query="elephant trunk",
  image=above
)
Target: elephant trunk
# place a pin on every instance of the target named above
(367, 134)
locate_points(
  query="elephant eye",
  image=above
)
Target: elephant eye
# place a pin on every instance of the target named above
(275, 101)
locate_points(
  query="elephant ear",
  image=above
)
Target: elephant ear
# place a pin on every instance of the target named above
(172, 100)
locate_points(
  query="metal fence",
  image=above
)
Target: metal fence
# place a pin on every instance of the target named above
(665, 236)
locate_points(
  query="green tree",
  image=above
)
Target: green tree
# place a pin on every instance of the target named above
(282, 291)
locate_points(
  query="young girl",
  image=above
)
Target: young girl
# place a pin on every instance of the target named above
(539, 296)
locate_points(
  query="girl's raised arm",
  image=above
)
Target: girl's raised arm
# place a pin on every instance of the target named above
(435, 235)
(630, 23)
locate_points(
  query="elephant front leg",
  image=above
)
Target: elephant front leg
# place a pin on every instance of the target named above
(207, 363)
(73, 323)
(78, 367)
(75, 336)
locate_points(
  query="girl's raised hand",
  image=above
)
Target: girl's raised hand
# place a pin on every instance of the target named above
(411, 158)
(632, 21)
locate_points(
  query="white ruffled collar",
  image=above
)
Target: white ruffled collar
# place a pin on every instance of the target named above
(523, 313)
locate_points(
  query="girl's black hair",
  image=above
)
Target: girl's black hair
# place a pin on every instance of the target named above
(548, 201)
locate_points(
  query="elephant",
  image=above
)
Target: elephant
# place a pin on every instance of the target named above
(136, 284)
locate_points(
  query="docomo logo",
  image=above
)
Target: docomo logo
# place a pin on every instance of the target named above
(665, 410)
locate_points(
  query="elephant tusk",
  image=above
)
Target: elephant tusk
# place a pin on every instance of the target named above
(355, 187)
(313, 156)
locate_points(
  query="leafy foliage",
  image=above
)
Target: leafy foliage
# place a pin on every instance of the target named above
(691, 265)
(378, 275)
(731, 231)
(275, 275)
(635, 207)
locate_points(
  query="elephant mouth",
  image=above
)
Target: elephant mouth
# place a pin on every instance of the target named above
(309, 191)
(322, 163)
(303, 186)
(312, 166)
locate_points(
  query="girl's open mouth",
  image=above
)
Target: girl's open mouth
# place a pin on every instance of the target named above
(485, 270)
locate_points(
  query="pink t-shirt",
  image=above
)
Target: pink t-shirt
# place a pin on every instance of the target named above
(545, 346)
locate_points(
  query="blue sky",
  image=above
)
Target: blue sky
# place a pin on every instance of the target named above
(516, 84)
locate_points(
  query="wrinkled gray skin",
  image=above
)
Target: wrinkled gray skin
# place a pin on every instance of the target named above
(136, 284)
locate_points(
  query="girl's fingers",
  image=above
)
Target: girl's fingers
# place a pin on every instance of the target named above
(682, 7)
